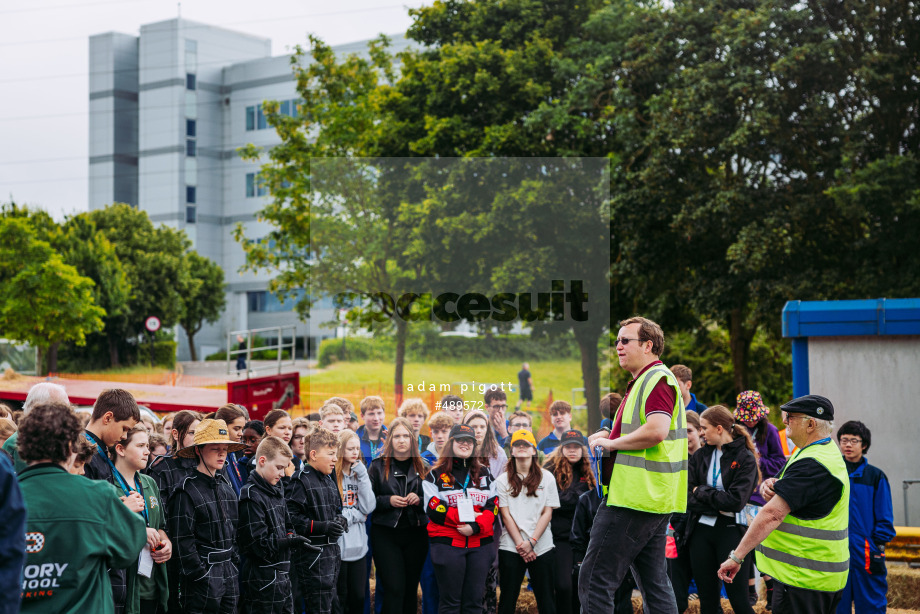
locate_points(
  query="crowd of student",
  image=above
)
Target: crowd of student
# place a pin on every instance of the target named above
(289, 515)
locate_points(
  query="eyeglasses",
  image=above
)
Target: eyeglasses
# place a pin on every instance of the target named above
(847, 441)
(787, 418)
(625, 341)
(501, 407)
(464, 442)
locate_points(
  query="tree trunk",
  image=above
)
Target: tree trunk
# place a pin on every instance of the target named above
(740, 341)
(113, 352)
(590, 375)
(402, 333)
(191, 345)
(39, 358)
(52, 357)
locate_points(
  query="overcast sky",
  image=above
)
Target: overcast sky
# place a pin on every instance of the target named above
(44, 82)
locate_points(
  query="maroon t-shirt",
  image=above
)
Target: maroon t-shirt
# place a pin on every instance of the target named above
(660, 401)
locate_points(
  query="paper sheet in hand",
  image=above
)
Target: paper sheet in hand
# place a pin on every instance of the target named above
(465, 509)
(145, 562)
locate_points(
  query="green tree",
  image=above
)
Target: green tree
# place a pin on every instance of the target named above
(203, 296)
(45, 301)
(153, 258)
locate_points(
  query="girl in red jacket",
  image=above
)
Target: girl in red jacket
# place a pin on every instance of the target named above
(460, 500)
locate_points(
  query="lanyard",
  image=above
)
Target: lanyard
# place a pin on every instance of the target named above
(598, 460)
(137, 487)
(799, 451)
(118, 477)
(236, 468)
(466, 483)
(715, 463)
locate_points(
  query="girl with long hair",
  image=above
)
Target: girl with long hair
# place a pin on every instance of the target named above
(146, 593)
(491, 454)
(460, 501)
(169, 473)
(398, 536)
(722, 476)
(278, 424)
(358, 501)
(570, 465)
(527, 496)
(678, 558)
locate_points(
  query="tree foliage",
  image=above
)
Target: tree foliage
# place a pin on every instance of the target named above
(203, 296)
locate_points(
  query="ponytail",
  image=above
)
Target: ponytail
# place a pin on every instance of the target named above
(719, 415)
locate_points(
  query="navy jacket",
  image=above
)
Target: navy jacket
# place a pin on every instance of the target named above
(871, 516)
(12, 537)
(367, 453)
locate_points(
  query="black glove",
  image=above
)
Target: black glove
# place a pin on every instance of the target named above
(342, 521)
(299, 541)
(329, 528)
(877, 560)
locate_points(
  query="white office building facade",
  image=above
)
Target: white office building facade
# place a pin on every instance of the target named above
(168, 111)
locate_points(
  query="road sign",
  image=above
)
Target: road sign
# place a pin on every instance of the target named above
(152, 323)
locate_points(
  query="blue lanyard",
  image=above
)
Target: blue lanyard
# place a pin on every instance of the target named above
(118, 477)
(466, 483)
(598, 460)
(716, 463)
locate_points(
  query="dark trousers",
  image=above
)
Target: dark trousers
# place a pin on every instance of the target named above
(542, 579)
(429, 582)
(709, 547)
(461, 574)
(352, 578)
(680, 572)
(565, 591)
(399, 555)
(151, 606)
(794, 600)
(621, 538)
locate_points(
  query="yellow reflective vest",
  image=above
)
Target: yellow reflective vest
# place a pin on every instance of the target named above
(654, 479)
(812, 554)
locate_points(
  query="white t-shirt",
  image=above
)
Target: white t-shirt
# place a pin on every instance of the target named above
(526, 511)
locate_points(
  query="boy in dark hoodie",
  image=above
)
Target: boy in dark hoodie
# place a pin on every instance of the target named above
(316, 511)
(266, 535)
(202, 523)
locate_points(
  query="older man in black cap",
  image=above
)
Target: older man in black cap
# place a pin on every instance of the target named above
(800, 535)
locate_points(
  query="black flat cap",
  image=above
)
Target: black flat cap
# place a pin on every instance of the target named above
(812, 405)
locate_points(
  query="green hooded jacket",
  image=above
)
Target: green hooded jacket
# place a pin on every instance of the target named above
(76, 529)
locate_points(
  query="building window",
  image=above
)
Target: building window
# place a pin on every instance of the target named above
(191, 127)
(191, 149)
(266, 302)
(191, 214)
(255, 186)
(190, 194)
(250, 118)
(190, 81)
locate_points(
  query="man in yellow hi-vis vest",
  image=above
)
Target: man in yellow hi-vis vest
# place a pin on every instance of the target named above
(646, 454)
(800, 535)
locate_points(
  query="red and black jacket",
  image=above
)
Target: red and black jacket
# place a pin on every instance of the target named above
(443, 490)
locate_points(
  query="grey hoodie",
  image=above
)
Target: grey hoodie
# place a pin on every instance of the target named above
(358, 502)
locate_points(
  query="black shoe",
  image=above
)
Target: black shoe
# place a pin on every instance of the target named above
(752, 595)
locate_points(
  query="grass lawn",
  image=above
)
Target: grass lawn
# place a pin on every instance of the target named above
(559, 376)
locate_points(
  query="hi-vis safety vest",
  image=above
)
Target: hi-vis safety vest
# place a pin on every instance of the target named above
(812, 554)
(655, 479)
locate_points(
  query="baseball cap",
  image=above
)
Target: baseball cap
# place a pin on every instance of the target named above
(573, 436)
(461, 431)
(523, 435)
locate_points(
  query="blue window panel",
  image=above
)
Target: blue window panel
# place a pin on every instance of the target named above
(191, 148)
(191, 194)
(250, 118)
(191, 127)
(191, 215)
(250, 185)
(262, 122)
(191, 81)
(285, 107)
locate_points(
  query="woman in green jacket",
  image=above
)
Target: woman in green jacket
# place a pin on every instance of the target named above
(148, 587)
(76, 528)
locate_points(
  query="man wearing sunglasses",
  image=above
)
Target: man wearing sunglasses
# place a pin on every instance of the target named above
(645, 475)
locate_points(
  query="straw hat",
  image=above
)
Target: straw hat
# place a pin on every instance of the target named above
(210, 431)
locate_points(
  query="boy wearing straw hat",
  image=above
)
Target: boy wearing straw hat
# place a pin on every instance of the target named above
(202, 525)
